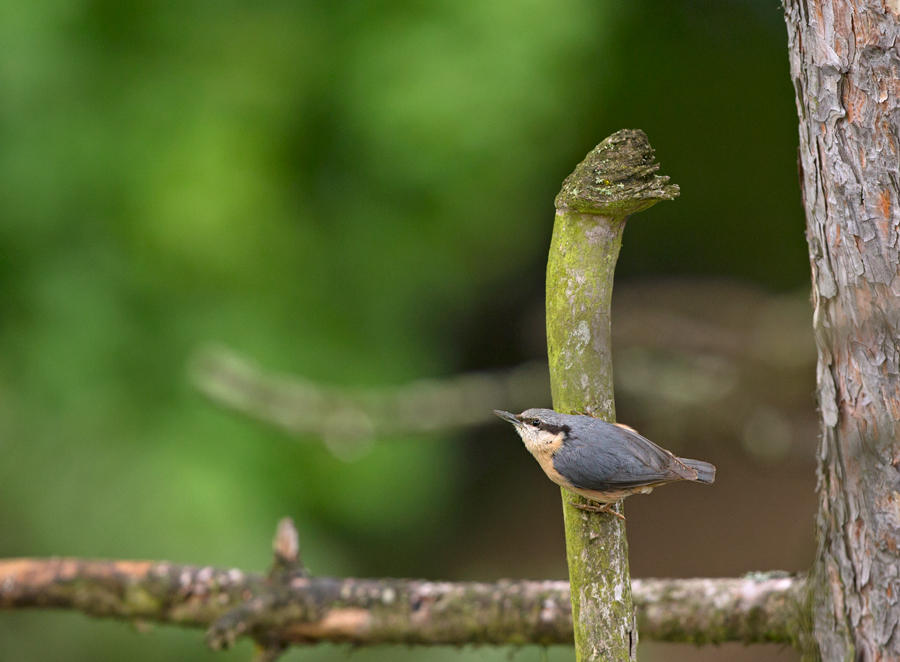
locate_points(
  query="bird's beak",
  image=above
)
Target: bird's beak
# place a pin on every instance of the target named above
(509, 418)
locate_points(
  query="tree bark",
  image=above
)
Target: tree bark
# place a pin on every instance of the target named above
(846, 71)
(615, 180)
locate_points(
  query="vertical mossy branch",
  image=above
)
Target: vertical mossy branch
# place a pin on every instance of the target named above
(615, 180)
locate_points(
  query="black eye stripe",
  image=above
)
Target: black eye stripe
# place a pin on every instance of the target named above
(547, 427)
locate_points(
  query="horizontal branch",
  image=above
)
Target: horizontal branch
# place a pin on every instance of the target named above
(302, 610)
(757, 608)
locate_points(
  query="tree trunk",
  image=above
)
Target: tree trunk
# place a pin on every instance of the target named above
(615, 180)
(846, 71)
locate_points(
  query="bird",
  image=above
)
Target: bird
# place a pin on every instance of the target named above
(603, 462)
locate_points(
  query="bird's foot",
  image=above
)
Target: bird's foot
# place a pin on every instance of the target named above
(591, 508)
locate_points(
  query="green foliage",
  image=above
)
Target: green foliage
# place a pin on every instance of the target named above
(330, 188)
(322, 187)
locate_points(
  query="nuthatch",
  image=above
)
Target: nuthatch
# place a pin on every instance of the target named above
(604, 462)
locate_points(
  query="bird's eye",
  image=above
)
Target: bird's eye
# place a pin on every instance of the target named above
(536, 422)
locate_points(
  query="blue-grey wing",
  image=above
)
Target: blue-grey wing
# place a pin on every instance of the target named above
(607, 456)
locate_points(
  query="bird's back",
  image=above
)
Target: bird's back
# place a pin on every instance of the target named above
(602, 456)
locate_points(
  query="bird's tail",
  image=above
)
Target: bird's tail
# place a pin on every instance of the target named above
(706, 473)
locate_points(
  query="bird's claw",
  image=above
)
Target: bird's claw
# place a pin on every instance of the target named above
(605, 508)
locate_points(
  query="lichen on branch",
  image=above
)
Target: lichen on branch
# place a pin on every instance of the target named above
(616, 178)
(304, 610)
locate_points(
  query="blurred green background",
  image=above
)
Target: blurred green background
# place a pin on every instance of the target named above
(361, 193)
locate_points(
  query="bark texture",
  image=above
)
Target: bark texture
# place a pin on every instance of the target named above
(616, 179)
(759, 608)
(845, 66)
(303, 610)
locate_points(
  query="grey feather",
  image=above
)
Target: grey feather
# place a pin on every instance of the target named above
(601, 456)
(706, 473)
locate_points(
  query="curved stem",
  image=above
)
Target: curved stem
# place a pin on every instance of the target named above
(615, 179)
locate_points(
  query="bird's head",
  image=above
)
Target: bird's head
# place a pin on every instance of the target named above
(542, 430)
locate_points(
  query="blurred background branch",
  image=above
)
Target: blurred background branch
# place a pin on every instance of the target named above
(344, 417)
(697, 361)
